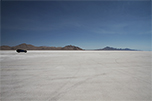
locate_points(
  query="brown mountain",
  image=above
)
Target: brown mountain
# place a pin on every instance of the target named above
(24, 46)
(5, 48)
(70, 47)
(31, 47)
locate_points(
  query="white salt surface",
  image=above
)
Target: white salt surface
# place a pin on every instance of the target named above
(75, 76)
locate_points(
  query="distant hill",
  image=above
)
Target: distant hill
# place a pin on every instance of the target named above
(70, 47)
(111, 48)
(32, 47)
(5, 47)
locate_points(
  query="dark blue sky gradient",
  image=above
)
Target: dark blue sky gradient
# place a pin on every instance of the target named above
(87, 24)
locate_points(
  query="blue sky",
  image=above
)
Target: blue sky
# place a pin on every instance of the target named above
(87, 24)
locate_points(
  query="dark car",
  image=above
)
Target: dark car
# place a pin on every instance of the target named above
(21, 50)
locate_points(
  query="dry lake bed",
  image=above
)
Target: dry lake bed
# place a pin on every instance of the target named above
(76, 76)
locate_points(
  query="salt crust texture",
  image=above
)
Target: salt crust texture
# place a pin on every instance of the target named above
(75, 76)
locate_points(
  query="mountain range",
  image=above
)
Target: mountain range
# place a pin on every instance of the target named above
(111, 48)
(68, 47)
(32, 47)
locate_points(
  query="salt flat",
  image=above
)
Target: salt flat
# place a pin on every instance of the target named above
(76, 76)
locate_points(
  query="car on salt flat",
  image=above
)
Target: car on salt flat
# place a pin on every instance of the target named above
(21, 50)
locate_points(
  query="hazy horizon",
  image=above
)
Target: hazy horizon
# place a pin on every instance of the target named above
(87, 24)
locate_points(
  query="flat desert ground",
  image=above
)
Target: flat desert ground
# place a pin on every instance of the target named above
(76, 76)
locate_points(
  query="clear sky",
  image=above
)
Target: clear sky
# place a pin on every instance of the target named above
(87, 24)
